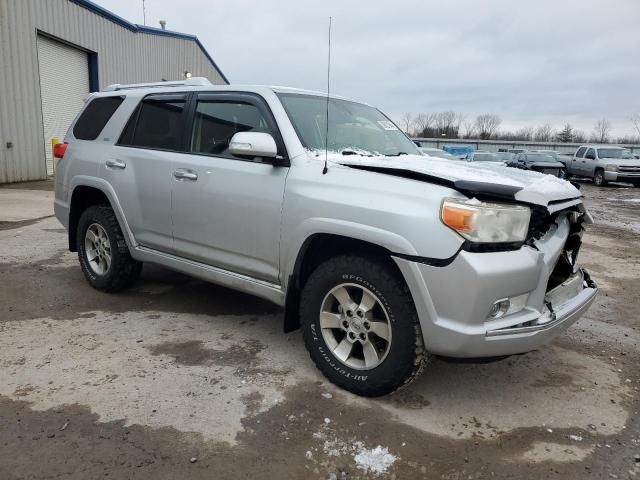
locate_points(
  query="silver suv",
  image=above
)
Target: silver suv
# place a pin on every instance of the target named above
(382, 257)
(604, 163)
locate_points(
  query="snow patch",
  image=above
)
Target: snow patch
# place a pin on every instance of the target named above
(535, 187)
(376, 460)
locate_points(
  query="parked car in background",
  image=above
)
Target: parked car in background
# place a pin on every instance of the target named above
(553, 153)
(563, 158)
(436, 152)
(506, 157)
(539, 162)
(485, 157)
(605, 164)
(459, 151)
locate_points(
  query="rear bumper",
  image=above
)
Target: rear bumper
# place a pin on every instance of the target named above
(454, 302)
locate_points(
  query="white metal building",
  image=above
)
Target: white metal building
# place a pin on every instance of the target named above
(53, 53)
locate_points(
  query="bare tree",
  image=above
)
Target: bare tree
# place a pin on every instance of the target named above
(447, 124)
(468, 129)
(524, 133)
(544, 133)
(407, 121)
(635, 120)
(602, 130)
(487, 125)
(579, 136)
(424, 122)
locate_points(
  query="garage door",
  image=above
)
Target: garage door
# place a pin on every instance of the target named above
(64, 83)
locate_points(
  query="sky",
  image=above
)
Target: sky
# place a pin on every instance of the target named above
(529, 61)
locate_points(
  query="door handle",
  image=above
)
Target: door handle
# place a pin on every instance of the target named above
(584, 161)
(116, 164)
(182, 174)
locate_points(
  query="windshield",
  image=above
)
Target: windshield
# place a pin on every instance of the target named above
(614, 153)
(485, 157)
(540, 157)
(354, 128)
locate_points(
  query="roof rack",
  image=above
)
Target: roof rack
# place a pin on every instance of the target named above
(190, 82)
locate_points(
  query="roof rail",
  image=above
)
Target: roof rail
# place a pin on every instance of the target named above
(190, 82)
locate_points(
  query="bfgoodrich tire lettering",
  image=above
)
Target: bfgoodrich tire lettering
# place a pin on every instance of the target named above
(405, 357)
(122, 270)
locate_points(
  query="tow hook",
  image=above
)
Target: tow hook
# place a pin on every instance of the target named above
(588, 281)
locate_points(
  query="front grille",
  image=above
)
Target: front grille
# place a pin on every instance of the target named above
(628, 169)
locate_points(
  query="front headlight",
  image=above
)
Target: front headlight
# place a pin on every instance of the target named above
(611, 167)
(486, 222)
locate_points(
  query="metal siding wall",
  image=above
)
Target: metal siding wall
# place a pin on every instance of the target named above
(123, 57)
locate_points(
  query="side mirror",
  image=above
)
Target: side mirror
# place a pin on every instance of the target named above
(253, 144)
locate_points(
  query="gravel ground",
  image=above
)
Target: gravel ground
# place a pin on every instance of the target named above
(177, 378)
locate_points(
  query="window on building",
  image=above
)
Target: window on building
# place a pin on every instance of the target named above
(95, 116)
(157, 124)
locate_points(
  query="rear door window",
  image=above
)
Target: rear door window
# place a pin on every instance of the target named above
(580, 152)
(95, 116)
(157, 123)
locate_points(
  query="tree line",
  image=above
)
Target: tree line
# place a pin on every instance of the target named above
(450, 124)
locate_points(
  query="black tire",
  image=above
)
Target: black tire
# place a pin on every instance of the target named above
(406, 355)
(123, 270)
(598, 178)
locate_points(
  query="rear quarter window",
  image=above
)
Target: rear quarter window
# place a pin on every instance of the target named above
(157, 123)
(95, 116)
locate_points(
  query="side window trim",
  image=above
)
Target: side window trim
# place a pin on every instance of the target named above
(183, 147)
(241, 97)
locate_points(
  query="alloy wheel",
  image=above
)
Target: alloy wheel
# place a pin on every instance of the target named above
(97, 249)
(355, 326)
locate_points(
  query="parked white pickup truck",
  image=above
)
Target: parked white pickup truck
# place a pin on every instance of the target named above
(605, 164)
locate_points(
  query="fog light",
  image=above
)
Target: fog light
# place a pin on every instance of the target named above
(499, 308)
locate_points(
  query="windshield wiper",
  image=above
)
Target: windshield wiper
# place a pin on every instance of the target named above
(348, 151)
(395, 154)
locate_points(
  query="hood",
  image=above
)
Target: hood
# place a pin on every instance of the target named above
(491, 180)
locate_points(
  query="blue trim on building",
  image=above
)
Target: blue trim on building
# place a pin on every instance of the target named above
(103, 12)
(94, 83)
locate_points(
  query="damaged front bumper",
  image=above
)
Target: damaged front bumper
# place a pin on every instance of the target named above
(454, 302)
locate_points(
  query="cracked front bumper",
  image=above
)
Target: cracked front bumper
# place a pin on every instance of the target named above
(454, 302)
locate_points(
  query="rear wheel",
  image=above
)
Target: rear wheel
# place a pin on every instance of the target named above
(598, 178)
(360, 326)
(103, 252)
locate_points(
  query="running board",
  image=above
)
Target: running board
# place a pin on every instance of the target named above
(233, 280)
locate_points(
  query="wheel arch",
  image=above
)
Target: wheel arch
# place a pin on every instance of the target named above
(316, 249)
(88, 192)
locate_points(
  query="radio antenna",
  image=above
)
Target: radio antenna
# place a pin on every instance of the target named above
(326, 133)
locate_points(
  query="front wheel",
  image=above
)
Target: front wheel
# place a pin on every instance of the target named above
(361, 327)
(598, 178)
